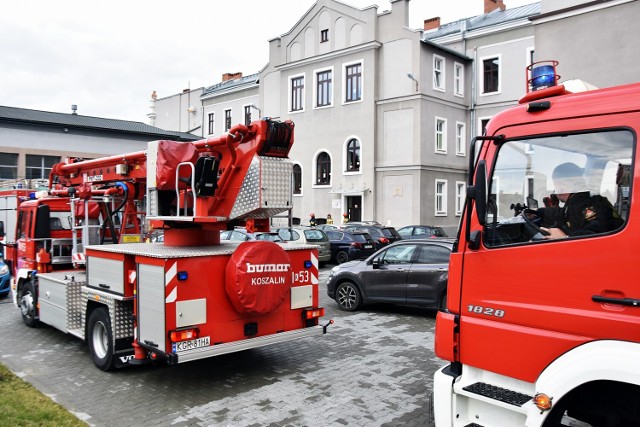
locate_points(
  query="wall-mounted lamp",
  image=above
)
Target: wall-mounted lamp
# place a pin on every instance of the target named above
(414, 79)
(191, 110)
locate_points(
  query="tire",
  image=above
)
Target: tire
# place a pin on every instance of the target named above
(100, 339)
(28, 304)
(342, 257)
(348, 297)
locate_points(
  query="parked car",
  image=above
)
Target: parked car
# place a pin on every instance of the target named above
(412, 272)
(5, 279)
(308, 236)
(350, 245)
(421, 232)
(382, 235)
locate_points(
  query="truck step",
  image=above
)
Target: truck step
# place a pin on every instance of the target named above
(498, 393)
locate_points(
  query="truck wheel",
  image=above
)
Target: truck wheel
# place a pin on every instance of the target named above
(100, 339)
(28, 303)
(348, 297)
(342, 257)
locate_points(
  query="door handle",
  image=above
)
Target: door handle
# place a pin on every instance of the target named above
(629, 302)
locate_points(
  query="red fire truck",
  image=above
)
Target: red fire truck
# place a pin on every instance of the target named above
(542, 326)
(190, 297)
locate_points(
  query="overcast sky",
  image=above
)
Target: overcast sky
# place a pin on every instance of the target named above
(108, 57)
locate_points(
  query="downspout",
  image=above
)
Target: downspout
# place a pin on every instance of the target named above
(472, 107)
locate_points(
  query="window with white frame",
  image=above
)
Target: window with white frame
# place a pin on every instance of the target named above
(297, 179)
(323, 169)
(227, 120)
(461, 190)
(353, 82)
(491, 75)
(461, 139)
(438, 72)
(441, 197)
(441, 135)
(324, 88)
(297, 93)
(458, 79)
(353, 155)
(211, 122)
(247, 115)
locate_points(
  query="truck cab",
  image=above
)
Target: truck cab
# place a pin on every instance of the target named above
(543, 313)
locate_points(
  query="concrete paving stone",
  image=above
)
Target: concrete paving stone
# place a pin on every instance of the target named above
(379, 356)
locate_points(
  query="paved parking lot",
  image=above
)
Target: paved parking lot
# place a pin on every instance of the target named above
(373, 368)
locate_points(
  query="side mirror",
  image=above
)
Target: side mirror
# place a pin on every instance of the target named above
(375, 263)
(478, 192)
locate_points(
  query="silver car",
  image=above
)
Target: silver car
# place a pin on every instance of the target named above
(308, 236)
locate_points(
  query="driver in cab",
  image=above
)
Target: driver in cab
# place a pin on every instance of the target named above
(582, 212)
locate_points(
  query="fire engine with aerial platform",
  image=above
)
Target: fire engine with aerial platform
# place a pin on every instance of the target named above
(80, 265)
(542, 326)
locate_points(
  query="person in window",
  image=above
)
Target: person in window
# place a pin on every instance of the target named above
(582, 212)
(312, 220)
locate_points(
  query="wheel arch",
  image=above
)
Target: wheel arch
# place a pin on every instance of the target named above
(93, 305)
(351, 278)
(597, 362)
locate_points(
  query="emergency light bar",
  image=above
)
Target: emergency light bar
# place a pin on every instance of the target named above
(541, 75)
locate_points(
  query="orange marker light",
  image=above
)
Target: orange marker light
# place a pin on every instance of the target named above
(542, 401)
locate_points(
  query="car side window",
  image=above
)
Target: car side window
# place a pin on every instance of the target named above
(432, 254)
(401, 254)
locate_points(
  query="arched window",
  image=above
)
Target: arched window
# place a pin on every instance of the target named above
(353, 155)
(297, 179)
(323, 169)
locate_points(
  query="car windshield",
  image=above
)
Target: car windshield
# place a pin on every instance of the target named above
(359, 238)
(315, 236)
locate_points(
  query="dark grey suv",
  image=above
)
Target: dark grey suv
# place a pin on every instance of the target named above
(412, 272)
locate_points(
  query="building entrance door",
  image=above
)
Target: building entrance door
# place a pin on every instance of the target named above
(354, 208)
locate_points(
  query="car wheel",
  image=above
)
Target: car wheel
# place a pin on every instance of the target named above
(348, 297)
(28, 302)
(342, 257)
(100, 339)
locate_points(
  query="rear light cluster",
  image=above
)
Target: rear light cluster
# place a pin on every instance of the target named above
(184, 335)
(383, 240)
(314, 313)
(357, 245)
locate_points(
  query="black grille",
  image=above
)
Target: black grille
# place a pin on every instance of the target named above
(498, 393)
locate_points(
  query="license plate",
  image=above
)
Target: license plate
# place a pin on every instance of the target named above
(190, 345)
(368, 246)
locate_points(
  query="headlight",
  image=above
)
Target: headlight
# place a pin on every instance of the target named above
(335, 269)
(4, 269)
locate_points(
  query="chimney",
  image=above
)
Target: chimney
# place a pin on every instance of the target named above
(431, 23)
(231, 76)
(491, 5)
